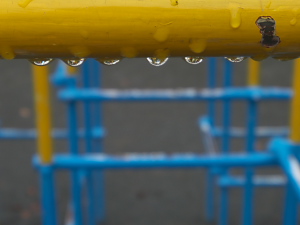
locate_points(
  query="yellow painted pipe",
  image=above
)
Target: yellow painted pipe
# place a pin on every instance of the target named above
(253, 73)
(43, 113)
(295, 107)
(135, 28)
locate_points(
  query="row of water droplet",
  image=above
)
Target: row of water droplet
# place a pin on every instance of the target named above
(109, 62)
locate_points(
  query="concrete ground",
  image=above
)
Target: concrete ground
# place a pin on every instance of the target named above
(136, 197)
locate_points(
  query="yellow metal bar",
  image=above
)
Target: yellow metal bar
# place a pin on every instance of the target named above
(43, 112)
(135, 28)
(253, 73)
(295, 108)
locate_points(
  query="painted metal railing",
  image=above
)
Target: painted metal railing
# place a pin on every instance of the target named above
(226, 132)
(87, 166)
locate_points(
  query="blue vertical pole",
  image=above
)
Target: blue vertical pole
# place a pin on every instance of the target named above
(227, 109)
(86, 72)
(212, 75)
(87, 76)
(224, 206)
(76, 184)
(291, 207)
(98, 147)
(226, 141)
(97, 106)
(48, 195)
(91, 198)
(250, 146)
(210, 178)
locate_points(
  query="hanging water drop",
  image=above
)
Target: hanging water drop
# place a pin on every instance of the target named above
(194, 60)
(235, 59)
(41, 62)
(74, 62)
(197, 45)
(259, 57)
(236, 19)
(108, 61)
(156, 61)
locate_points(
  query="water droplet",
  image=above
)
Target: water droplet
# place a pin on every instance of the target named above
(80, 51)
(24, 3)
(269, 50)
(174, 2)
(108, 61)
(236, 19)
(194, 60)
(197, 45)
(41, 62)
(74, 62)
(269, 5)
(235, 59)
(156, 61)
(161, 34)
(294, 21)
(162, 53)
(259, 57)
(84, 34)
(7, 52)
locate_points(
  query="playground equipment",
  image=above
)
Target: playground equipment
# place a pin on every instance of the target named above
(210, 131)
(87, 165)
(41, 30)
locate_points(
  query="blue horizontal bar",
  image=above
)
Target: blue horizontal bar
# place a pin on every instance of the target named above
(152, 161)
(261, 132)
(189, 94)
(10, 133)
(237, 132)
(259, 181)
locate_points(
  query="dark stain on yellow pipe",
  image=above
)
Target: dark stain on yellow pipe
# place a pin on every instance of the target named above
(267, 26)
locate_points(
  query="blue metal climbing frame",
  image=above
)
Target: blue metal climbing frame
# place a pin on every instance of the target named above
(87, 166)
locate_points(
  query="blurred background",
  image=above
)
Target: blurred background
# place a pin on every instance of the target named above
(143, 197)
